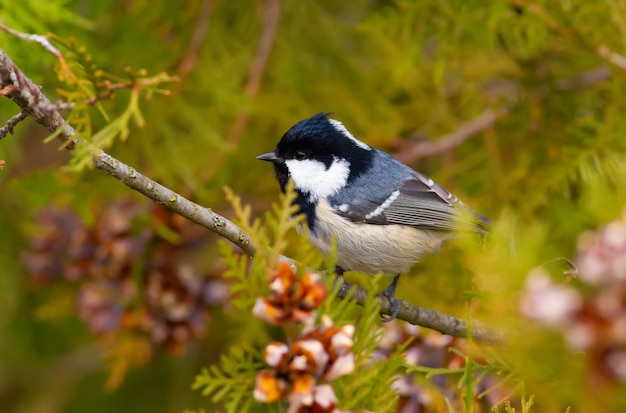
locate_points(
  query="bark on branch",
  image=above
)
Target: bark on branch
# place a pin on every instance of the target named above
(33, 102)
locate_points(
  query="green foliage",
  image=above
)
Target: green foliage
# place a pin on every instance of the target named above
(232, 379)
(396, 72)
(87, 85)
(471, 376)
(271, 241)
(526, 406)
(232, 382)
(369, 387)
(32, 16)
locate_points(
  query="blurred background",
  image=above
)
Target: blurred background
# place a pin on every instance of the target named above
(108, 302)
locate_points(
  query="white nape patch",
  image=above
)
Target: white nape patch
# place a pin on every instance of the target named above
(343, 207)
(340, 128)
(312, 177)
(394, 195)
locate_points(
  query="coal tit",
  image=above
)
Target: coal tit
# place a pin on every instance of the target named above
(384, 215)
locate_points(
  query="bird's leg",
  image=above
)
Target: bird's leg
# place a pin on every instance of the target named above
(390, 293)
(344, 285)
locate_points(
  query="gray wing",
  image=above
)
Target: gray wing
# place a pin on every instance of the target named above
(418, 202)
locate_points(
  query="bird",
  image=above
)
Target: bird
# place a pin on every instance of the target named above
(383, 215)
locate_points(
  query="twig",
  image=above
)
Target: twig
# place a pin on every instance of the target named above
(271, 15)
(37, 38)
(612, 56)
(585, 79)
(191, 56)
(601, 50)
(8, 127)
(270, 24)
(44, 112)
(39, 109)
(177, 203)
(428, 318)
(32, 101)
(448, 142)
(109, 89)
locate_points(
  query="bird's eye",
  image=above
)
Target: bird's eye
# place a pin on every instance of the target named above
(300, 155)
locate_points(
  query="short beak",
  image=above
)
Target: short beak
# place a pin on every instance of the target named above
(271, 157)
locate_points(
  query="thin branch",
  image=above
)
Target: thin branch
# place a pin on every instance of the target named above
(37, 38)
(177, 203)
(32, 101)
(44, 112)
(612, 56)
(429, 318)
(585, 79)
(448, 142)
(191, 56)
(8, 127)
(109, 88)
(601, 50)
(271, 16)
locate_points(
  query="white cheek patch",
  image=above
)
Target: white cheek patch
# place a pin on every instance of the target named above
(312, 177)
(340, 128)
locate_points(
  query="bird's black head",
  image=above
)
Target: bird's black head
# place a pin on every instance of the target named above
(320, 155)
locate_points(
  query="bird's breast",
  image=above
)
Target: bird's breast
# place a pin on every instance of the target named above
(367, 248)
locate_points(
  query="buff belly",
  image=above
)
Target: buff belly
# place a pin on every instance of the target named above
(390, 249)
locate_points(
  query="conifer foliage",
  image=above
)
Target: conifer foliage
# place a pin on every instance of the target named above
(517, 106)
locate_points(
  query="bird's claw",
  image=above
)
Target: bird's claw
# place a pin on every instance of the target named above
(345, 287)
(390, 294)
(395, 307)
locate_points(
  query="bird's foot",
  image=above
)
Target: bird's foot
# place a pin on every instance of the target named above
(345, 287)
(390, 294)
